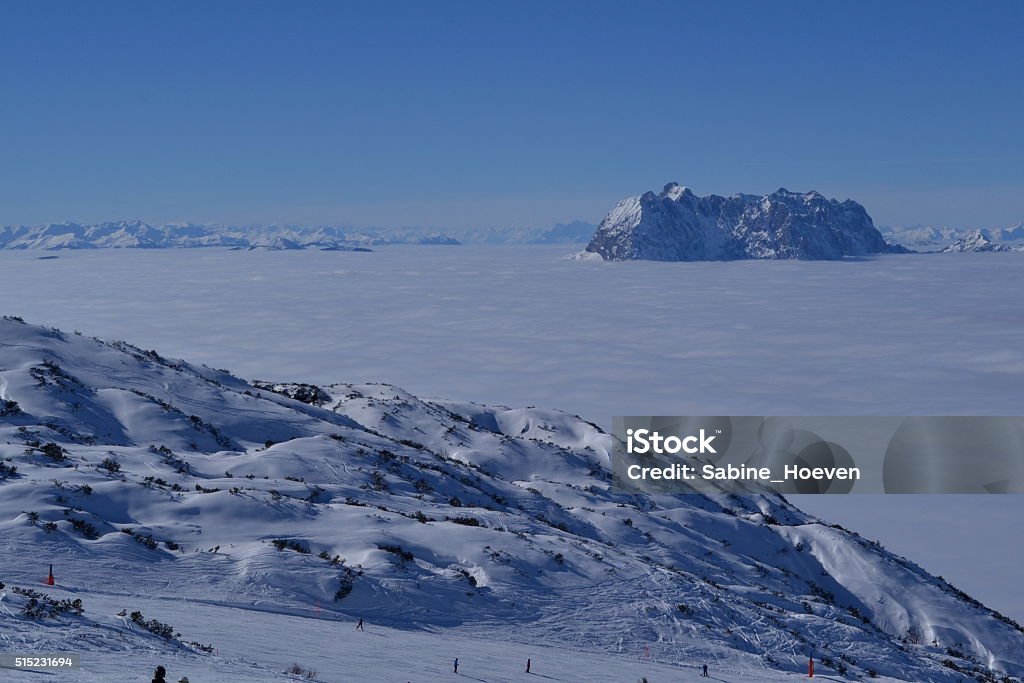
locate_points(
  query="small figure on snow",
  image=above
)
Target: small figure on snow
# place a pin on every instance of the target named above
(456, 665)
(705, 674)
(359, 626)
(527, 666)
(158, 675)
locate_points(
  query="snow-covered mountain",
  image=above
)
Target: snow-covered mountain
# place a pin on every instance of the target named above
(924, 236)
(143, 478)
(677, 225)
(139, 235)
(975, 241)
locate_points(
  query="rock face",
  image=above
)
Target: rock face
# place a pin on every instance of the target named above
(677, 225)
(975, 241)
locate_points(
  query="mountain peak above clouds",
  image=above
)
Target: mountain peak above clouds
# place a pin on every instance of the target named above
(975, 241)
(677, 225)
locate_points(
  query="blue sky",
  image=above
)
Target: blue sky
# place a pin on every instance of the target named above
(459, 114)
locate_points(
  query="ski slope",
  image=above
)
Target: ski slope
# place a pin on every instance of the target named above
(158, 486)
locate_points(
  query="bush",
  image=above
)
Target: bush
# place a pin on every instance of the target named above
(297, 670)
(147, 540)
(347, 584)
(42, 606)
(111, 465)
(153, 626)
(282, 544)
(10, 408)
(465, 521)
(85, 528)
(53, 451)
(398, 551)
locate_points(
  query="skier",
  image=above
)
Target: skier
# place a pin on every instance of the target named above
(456, 665)
(359, 626)
(527, 666)
(158, 675)
(705, 674)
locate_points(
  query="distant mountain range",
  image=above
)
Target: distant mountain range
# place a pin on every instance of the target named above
(139, 235)
(930, 238)
(677, 225)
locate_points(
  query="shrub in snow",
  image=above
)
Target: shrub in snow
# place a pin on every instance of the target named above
(9, 408)
(282, 544)
(155, 627)
(398, 551)
(465, 521)
(297, 670)
(85, 528)
(42, 606)
(53, 451)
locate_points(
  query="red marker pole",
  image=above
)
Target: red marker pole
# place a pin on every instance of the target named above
(49, 579)
(810, 668)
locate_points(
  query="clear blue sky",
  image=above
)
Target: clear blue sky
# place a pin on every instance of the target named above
(505, 114)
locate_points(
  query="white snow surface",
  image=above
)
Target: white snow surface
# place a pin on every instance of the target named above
(237, 514)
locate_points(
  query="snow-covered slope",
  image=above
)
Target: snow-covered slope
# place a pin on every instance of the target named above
(677, 225)
(153, 484)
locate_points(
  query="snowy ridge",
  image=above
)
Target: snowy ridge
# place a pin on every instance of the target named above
(976, 242)
(677, 225)
(343, 501)
(139, 235)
